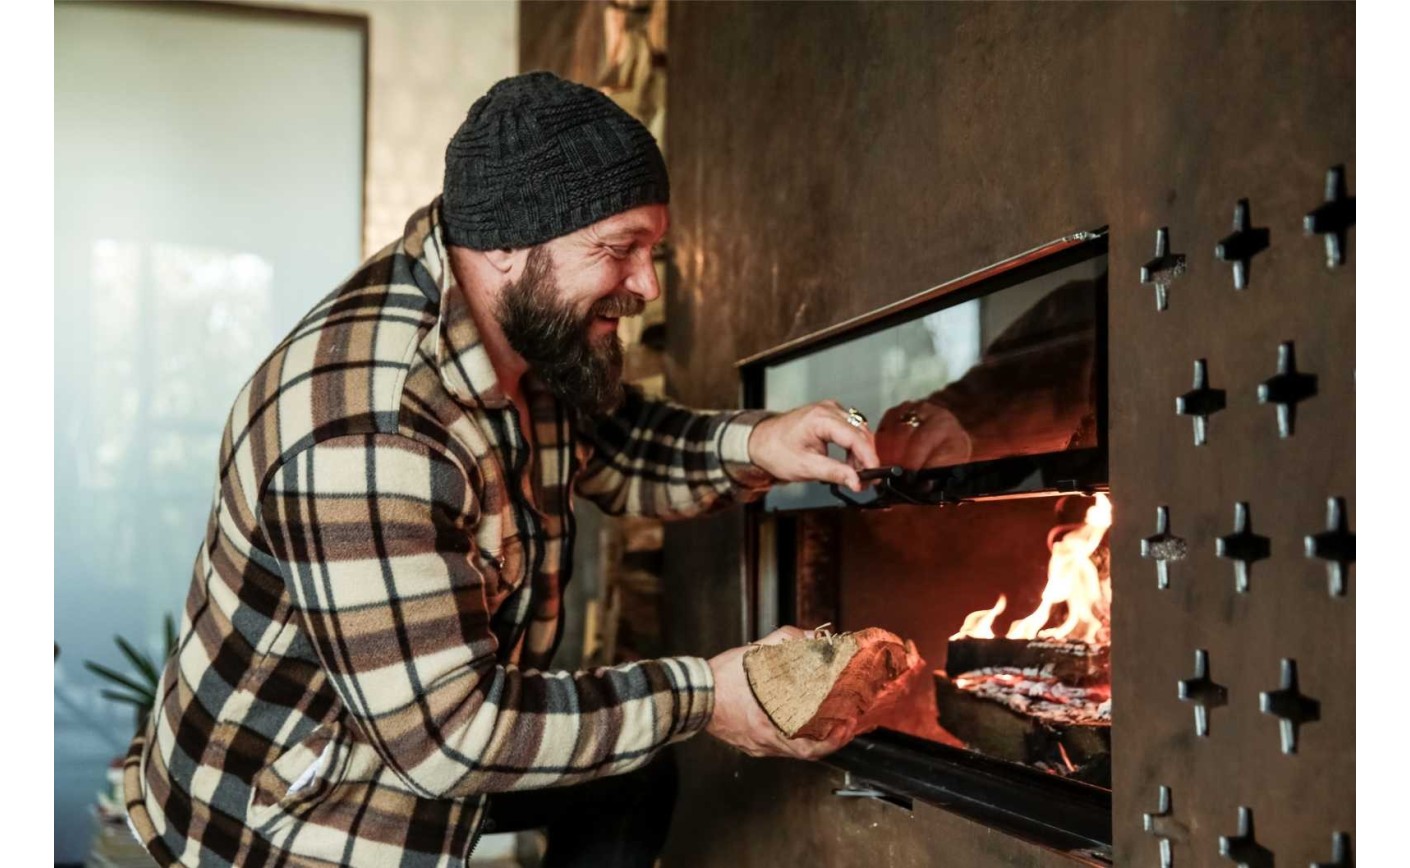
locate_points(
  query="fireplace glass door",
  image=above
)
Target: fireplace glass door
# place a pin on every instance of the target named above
(982, 538)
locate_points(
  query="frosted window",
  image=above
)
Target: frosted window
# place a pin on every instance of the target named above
(208, 192)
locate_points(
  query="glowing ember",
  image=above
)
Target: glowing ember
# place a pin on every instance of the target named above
(1073, 580)
(1040, 694)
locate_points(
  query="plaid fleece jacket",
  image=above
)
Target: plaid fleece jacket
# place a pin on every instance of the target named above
(363, 648)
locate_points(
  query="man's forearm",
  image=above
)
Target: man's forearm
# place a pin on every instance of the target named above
(657, 459)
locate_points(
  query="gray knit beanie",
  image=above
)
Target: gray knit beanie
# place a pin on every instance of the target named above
(539, 157)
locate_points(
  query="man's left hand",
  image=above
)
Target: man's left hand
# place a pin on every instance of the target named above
(792, 447)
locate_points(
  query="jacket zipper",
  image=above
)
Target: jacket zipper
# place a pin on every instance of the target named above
(531, 525)
(531, 528)
(479, 831)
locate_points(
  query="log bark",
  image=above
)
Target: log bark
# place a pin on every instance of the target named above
(808, 687)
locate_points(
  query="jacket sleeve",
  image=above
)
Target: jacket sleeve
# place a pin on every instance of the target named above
(374, 536)
(658, 459)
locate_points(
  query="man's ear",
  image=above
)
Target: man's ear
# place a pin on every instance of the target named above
(509, 263)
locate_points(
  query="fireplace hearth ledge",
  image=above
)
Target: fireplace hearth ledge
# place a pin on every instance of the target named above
(1056, 813)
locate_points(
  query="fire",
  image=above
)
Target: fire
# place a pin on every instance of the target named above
(980, 625)
(1073, 579)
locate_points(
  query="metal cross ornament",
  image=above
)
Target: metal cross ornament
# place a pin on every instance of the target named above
(1336, 545)
(1201, 402)
(1243, 547)
(1163, 826)
(1164, 269)
(1163, 547)
(1244, 848)
(1240, 247)
(1290, 706)
(1287, 388)
(1341, 852)
(1333, 217)
(1203, 692)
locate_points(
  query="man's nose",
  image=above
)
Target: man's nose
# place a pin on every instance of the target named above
(642, 280)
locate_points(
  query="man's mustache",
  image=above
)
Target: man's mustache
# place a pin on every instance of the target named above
(618, 306)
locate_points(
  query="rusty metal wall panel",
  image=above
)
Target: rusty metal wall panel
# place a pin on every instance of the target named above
(829, 159)
(1232, 102)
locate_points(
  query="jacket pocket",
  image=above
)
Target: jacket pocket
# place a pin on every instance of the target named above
(299, 778)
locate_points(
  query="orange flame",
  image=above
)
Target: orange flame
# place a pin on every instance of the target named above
(1073, 579)
(980, 625)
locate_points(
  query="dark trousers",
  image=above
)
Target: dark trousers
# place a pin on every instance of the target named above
(615, 822)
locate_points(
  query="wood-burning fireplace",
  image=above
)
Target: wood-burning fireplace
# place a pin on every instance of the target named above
(983, 538)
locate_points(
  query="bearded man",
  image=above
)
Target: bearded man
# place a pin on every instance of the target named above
(362, 674)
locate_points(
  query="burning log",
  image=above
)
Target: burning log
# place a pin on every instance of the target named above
(1044, 702)
(809, 686)
(1070, 662)
(1027, 717)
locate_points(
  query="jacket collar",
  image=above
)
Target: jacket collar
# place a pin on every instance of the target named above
(461, 357)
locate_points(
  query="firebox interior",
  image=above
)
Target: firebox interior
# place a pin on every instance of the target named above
(919, 571)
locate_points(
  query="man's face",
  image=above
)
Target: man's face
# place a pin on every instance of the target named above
(561, 314)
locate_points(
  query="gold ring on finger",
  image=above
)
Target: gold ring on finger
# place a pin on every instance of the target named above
(855, 418)
(911, 419)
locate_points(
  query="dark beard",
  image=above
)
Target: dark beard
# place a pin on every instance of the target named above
(553, 338)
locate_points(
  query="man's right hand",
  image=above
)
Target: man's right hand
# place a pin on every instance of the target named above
(741, 723)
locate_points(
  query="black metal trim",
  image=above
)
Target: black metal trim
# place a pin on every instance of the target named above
(1083, 471)
(999, 275)
(1054, 812)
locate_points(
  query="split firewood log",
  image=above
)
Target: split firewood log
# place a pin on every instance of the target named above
(808, 687)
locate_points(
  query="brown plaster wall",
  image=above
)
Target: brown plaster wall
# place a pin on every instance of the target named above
(827, 159)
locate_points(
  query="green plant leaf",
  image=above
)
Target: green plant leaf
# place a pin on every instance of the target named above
(141, 661)
(170, 624)
(142, 702)
(116, 677)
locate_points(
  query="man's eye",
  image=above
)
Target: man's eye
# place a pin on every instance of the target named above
(619, 252)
